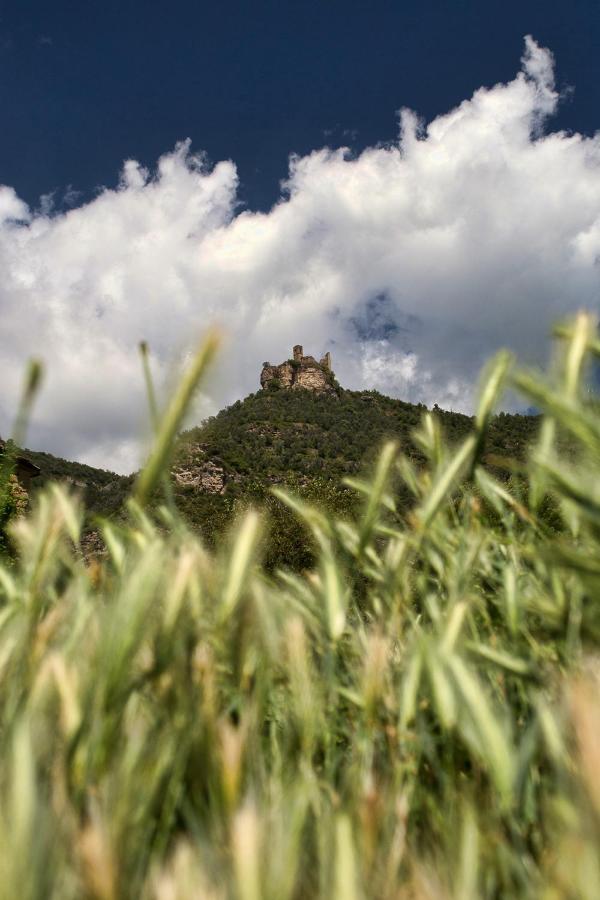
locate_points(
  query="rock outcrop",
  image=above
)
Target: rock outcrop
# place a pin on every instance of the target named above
(282, 375)
(200, 473)
(300, 372)
(92, 546)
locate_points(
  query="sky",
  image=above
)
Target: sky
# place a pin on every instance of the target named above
(408, 185)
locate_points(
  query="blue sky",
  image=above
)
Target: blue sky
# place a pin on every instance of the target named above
(85, 85)
(441, 197)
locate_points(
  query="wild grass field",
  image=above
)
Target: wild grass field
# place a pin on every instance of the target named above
(417, 716)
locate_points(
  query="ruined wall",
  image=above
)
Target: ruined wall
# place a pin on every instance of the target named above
(326, 361)
(300, 372)
(311, 376)
(283, 373)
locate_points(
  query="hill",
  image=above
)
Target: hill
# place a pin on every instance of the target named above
(304, 439)
(104, 492)
(308, 441)
(272, 434)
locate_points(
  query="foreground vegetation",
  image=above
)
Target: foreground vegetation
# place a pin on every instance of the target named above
(417, 715)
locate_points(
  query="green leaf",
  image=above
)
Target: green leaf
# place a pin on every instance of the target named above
(493, 741)
(500, 658)
(444, 482)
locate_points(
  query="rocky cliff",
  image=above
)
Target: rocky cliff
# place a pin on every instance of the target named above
(199, 472)
(300, 372)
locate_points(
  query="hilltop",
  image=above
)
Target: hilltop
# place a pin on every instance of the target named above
(301, 372)
(303, 424)
(308, 440)
(301, 430)
(270, 434)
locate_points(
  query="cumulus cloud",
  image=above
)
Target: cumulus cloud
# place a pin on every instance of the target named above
(411, 263)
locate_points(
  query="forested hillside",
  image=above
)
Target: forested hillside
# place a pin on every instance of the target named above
(104, 492)
(270, 434)
(308, 441)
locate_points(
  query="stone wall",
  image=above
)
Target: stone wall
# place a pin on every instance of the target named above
(300, 372)
(284, 374)
(312, 377)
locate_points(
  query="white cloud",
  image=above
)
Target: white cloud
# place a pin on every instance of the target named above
(11, 208)
(411, 263)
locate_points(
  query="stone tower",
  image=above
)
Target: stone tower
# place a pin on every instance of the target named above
(326, 361)
(298, 353)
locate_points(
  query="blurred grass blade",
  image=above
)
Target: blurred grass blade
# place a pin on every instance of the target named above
(31, 386)
(445, 481)
(241, 559)
(410, 689)
(500, 658)
(538, 480)
(246, 853)
(492, 384)
(173, 418)
(378, 486)
(581, 334)
(442, 688)
(345, 885)
(495, 747)
(317, 523)
(154, 417)
(466, 888)
(335, 597)
(579, 421)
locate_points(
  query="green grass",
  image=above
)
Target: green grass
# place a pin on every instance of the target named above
(415, 716)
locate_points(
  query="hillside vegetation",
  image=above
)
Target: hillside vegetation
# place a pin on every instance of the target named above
(305, 440)
(104, 492)
(414, 716)
(311, 442)
(271, 434)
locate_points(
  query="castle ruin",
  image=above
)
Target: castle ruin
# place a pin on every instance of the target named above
(300, 372)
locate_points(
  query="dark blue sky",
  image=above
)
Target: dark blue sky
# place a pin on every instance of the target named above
(86, 84)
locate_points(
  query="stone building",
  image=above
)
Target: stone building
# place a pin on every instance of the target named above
(300, 372)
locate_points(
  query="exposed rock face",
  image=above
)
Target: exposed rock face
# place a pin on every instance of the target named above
(75, 482)
(284, 374)
(300, 372)
(312, 377)
(92, 546)
(201, 474)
